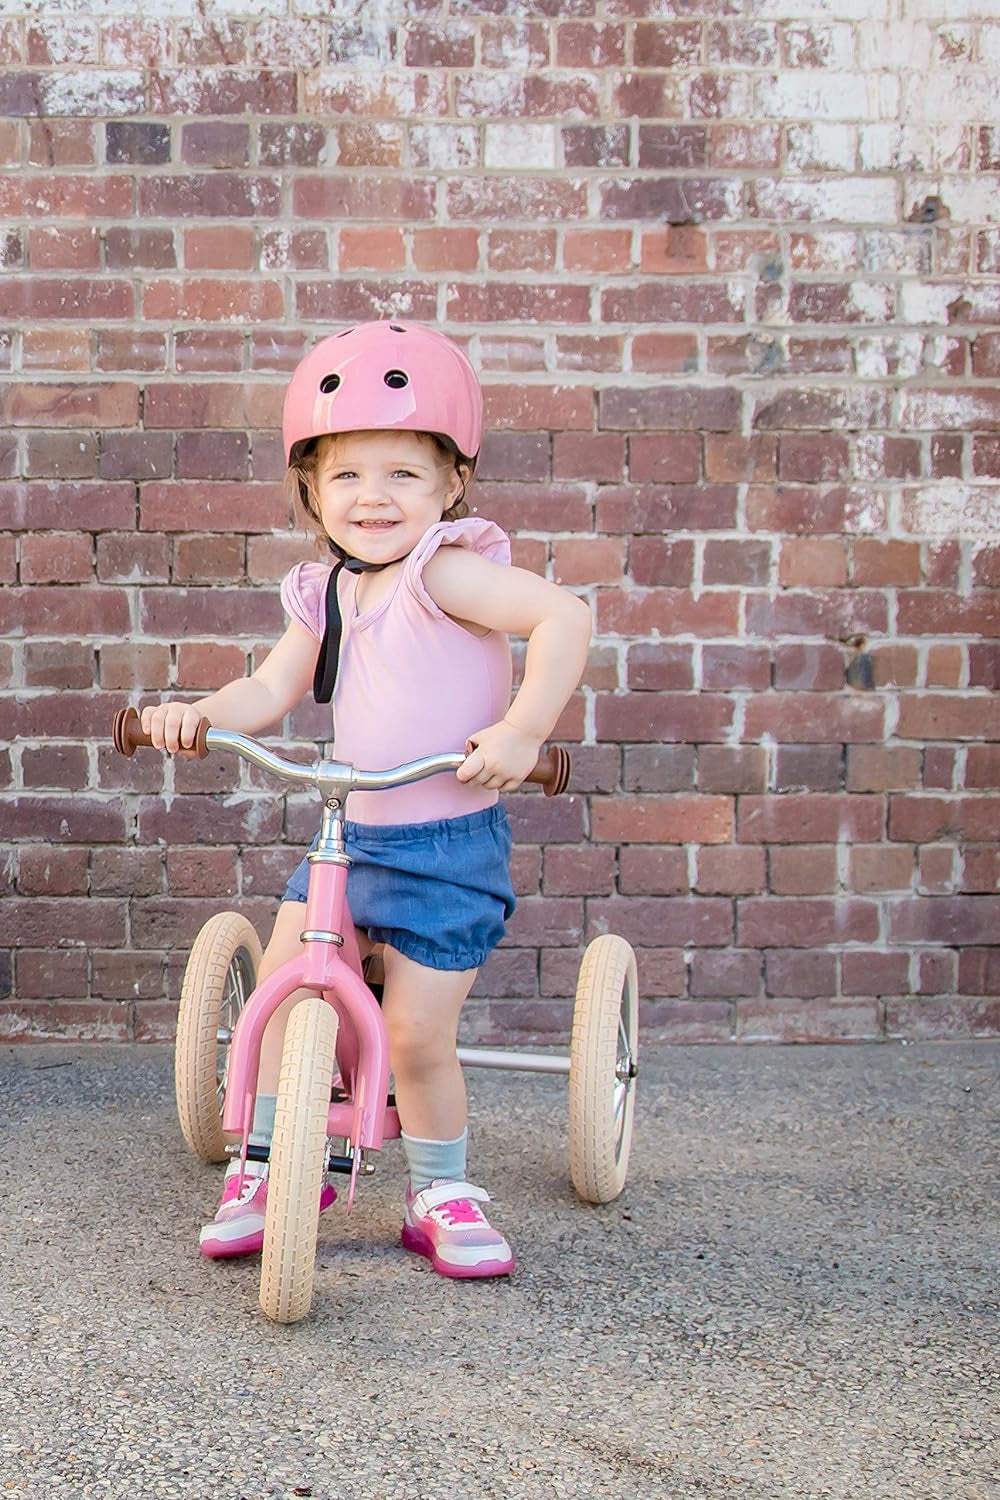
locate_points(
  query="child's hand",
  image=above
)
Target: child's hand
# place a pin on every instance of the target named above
(499, 757)
(172, 726)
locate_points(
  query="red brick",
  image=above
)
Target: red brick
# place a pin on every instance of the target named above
(959, 1016)
(810, 818)
(790, 972)
(882, 768)
(646, 871)
(979, 971)
(736, 668)
(731, 768)
(672, 921)
(874, 973)
(818, 718)
(808, 668)
(657, 562)
(982, 767)
(881, 869)
(775, 921)
(808, 870)
(953, 920)
(579, 872)
(588, 561)
(730, 871)
(666, 820)
(732, 972)
(52, 872)
(670, 458)
(824, 1020)
(952, 716)
(668, 611)
(679, 717)
(735, 562)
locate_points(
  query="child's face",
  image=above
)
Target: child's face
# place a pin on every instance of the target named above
(378, 492)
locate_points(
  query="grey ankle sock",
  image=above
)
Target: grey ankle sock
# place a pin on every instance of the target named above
(263, 1120)
(428, 1160)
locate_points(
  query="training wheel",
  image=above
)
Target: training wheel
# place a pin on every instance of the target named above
(219, 978)
(602, 1069)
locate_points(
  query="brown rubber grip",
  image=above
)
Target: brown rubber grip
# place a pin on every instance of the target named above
(127, 735)
(551, 771)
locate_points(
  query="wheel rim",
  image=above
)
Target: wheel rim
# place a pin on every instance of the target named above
(625, 1072)
(239, 984)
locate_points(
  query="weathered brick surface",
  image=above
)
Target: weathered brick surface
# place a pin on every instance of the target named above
(732, 284)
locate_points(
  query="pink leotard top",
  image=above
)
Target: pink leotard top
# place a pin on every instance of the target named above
(411, 681)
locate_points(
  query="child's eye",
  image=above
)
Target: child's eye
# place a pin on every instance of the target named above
(404, 474)
(344, 474)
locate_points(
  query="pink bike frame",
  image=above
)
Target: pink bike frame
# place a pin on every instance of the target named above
(333, 970)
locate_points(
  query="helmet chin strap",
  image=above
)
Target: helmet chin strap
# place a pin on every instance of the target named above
(329, 652)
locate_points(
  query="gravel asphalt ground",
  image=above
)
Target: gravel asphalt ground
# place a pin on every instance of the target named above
(796, 1295)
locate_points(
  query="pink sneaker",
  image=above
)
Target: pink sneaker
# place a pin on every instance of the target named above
(444, 1223)
(238, 1226)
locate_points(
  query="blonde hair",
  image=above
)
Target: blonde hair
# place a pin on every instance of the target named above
(300, 479)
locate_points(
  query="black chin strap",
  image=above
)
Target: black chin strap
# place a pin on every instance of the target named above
(328, 660)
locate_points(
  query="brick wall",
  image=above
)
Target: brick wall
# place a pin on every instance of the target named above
(730, 273)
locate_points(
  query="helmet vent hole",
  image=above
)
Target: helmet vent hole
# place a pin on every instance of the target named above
(329, 384)
(396, 328)
(396, 379)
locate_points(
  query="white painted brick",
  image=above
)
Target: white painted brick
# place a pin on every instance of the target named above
(821, 148)
(951, 509)
(989, 46)
(85, 92)
(524, 146)
(968, 200)
(873, 302)
(823, 10)
(848, 200)
(972, 95)
(811, 96)
(903, 252)
(444, 147)
(904, 148)
(830, 46)
(925, 304)
(899, 356)
(898, 45)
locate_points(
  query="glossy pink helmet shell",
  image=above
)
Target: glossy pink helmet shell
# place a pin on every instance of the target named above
(377, 376)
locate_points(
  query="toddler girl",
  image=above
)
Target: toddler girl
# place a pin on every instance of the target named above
(382, 428)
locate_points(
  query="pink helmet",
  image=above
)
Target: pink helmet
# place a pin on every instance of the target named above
(385, 375)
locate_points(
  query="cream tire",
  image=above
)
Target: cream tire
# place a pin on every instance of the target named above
(298, 1158)
(602, 1069)
(220, 975)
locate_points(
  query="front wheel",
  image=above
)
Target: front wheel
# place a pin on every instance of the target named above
(298, 1160)
(602, 1069)
(219, 978)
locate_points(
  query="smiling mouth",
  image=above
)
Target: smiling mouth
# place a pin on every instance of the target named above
(376, 525)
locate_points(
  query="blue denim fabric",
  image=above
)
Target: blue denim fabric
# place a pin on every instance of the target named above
(438, 892)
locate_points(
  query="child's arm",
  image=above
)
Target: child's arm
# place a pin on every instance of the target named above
(557, 625)
(246, 705)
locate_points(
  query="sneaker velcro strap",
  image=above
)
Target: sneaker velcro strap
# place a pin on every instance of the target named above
(448, 1192)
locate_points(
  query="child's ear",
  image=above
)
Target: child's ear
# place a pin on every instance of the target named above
(459, 483)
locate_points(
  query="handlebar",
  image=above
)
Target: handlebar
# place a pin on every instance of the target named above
(551, 770)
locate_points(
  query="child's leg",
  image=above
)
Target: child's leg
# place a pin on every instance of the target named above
(443, 1220)
(421, 1007)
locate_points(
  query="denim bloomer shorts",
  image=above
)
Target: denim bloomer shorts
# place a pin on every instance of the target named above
(438, 892)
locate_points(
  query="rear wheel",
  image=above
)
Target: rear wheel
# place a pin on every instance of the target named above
(219, 978)
(602, 1069)
(298, 1159)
